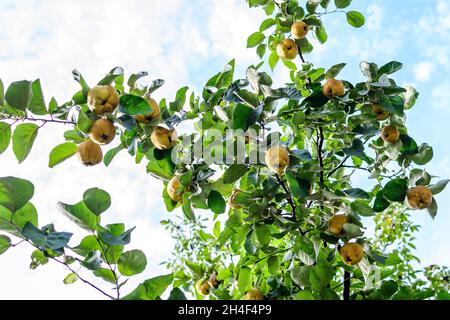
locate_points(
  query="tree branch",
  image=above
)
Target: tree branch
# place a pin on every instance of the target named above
(321, 140)
(347, 277)
(44, 121)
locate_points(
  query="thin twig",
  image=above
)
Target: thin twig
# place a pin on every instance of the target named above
(105, 251)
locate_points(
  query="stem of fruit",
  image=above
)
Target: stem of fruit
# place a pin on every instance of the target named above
(300, 54)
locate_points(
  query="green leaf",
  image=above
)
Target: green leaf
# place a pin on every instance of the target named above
(321, 34)
(390, 68)
(409, 146)
(356, 150)
(341, 4)
(37, 105)
(244, 279)
(273, 60)
(132, 262)
(151, 289)
(15, 193)
(97, 200)
(180, 100)
(2, 93)
(135, 77)
(300, 275)
(261, 50)
(305, 45)
(334, 71)
(177, 294)
(5, 136)
(114, 240)
(105, 274)
(273, 264)
(357, 193)
(361, 208)
(50, 241)
(19, 95)
(93, 260)
(255, 39)
(234, 173)
(111, 76)
(264, 234)
(355, 19)
(84, 86)
(395, 190)
(216, 202)
(5, 244)
(23, 139)
(187, 207)
(84, 123)
(160, 164)
(352, 230)
(71, 278)
(87, 245)
(433, 209)
(266, 24)
(248, 243)
(134, 105)
(110, 155)
(320, 276)
(439, 186)
(294, 185)
(424, 155)
(388, 289)
(61, 153)
(380, 203)
(243, 117)
(74, 136)
(27, 213)
(80, 214)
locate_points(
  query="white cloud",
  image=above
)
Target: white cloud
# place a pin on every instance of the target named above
(422, 71)
(441, 97)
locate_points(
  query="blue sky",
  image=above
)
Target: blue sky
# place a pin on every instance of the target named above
(185, 42)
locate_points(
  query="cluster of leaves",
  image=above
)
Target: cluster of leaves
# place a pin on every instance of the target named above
(275, 235)
(279, 22)
(102, 252)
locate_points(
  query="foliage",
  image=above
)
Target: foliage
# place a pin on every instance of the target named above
(275, 234)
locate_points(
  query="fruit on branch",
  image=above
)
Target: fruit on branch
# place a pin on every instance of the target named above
(175, 189)
(212, 281)
(254, 294)
(232, 198)
(287, 49)
(333, 88)
(352, 253)
(155, 114)
(102, 131)
(163, 138)
(203, 288)
(299, 30)
(336, 223)
(103, 99)
(90, 153)
(277, 159)
(420, 197)
(380, 113)
(390, 134)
